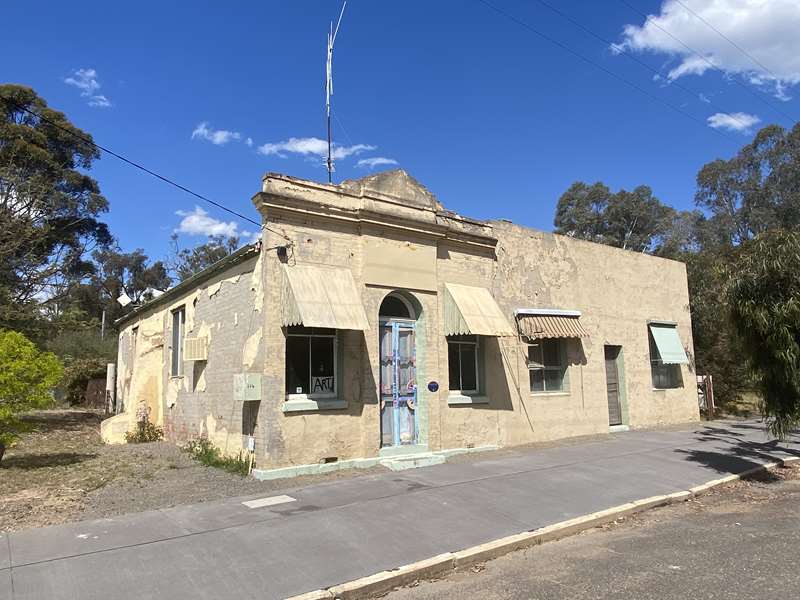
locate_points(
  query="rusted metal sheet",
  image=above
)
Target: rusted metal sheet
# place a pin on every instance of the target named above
(470, 310)
(316, 296)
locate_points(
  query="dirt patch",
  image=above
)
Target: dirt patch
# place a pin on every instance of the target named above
(62, 472)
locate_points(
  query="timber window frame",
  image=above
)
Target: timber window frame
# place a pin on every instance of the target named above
(548, 365)
(665, 376)
(459, 348)
(321, 345)
(178, 335)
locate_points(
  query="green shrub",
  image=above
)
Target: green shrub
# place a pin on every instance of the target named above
(27, 378)
(77, 375)
(764, 297)
(145, 432)
(203, 451)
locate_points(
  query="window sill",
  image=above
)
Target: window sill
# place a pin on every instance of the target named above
(548, 394)
(463, 399)
(667, 389)
(308, 404)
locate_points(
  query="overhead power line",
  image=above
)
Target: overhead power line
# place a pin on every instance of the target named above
(742, 85)
(136, 165)
(638, 60)
(729, 40)
(608, 72)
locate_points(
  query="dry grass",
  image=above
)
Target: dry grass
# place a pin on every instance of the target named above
(62, 472)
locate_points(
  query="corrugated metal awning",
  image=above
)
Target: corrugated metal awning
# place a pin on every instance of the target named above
(470, 310)
(550, 323)
(670, 348)
(315, 296)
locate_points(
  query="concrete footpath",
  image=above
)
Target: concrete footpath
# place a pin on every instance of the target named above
(326, 534)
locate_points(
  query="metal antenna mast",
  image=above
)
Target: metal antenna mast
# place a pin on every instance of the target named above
(329, 87)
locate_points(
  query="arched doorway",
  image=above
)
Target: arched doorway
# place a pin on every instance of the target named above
(398, 380)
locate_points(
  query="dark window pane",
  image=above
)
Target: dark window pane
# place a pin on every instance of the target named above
(177, 342)
(453, 365)
(554, 380)
(537, 380)
(535, 353)
(322, 368)
(469, 378)
(392, 306)
(552, 353)
(297, 365)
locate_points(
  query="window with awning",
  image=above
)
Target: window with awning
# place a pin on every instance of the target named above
(668, 343)
(471, 310)
(544, 323)
(666, 355)
(326, 297)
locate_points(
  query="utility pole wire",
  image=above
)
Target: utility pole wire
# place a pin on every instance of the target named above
(609, 72)
(711, 64)
(729, 40)
(636, 59)
(136, 165)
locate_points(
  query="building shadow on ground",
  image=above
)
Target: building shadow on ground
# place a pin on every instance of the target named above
(39, 461)
(740, 455)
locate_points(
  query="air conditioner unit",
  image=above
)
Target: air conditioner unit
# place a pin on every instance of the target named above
(195, 348)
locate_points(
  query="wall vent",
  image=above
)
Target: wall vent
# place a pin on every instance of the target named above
(195, 348)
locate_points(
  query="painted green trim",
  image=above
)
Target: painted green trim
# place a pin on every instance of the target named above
(366, 463)
(388, 451)
(314, 469)
(311, 405)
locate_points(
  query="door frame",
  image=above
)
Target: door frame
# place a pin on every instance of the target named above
(398, 323)
(622, 395)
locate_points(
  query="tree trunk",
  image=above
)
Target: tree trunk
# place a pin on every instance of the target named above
(2, 450)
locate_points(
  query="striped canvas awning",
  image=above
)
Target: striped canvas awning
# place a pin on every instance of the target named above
(470, 310)
(535, 323)
(315, 296)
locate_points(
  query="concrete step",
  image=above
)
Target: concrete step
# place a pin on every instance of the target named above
(412, 461)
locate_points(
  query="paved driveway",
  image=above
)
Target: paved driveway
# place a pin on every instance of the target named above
(338, 531)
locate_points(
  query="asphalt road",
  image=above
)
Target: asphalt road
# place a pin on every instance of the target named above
(741, 541)
(330, 533)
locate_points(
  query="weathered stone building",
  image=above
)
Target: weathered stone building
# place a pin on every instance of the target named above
(372, 324)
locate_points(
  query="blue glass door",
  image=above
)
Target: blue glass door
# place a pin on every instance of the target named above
(398, 386)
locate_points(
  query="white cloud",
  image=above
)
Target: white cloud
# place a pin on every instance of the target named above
(217, 137)
(311, 147)
(100, 100)
(198, 222)
(375, 161)
(764, 29)
(739, 122)
(86, 81)
(249, 142)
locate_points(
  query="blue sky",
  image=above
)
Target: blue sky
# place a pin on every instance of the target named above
(493, 119)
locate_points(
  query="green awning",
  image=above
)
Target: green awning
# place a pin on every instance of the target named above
(670, 348)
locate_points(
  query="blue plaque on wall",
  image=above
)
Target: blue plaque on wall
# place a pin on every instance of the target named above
(433, 386)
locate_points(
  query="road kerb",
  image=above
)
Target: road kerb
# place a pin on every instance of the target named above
(443, 564)
(387, 580)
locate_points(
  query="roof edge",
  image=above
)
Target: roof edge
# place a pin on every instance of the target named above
(242, 254)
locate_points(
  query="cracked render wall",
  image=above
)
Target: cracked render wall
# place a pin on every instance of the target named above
(227, 310)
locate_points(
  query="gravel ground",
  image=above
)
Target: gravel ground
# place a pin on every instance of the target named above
(737, 541)
(62, 472)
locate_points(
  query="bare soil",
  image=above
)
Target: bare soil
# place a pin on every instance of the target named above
(62, 472)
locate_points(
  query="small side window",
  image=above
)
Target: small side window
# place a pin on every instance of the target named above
(178, 333)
